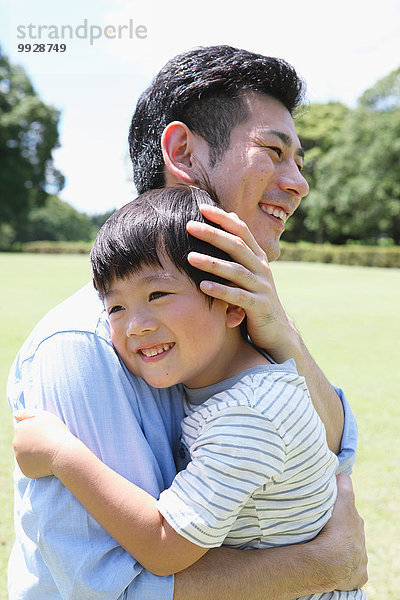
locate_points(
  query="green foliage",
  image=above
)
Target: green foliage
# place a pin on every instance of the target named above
(357, 191)
(352, 165)
(49, 247)
(57, 221)
(316, 128)
(99, 220)
(354, 254)
(28, 134)
(385, 95)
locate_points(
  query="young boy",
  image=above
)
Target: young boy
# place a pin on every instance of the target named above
(261, 474)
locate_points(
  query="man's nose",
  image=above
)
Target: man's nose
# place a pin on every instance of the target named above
(291, 180)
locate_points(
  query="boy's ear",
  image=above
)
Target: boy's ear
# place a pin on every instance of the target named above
(234, 315)
(177, 144)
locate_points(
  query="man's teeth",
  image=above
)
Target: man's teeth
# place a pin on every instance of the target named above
(275, 211)
(155, 351)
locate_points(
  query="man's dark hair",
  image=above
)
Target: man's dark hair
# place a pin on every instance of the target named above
(153, 224)
(205, 89)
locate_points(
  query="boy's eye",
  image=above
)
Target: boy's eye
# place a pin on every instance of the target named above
(115, 309)
(155, 295)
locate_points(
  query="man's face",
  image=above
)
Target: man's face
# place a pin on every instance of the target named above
(259, 176)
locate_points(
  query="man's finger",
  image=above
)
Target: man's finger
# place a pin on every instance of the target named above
(234, 272)
(231, 295)
(231, 223)
(229, 243)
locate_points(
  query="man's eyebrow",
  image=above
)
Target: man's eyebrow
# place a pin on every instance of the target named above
(287, 140)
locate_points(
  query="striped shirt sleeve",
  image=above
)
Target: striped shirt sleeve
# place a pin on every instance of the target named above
(237, 450)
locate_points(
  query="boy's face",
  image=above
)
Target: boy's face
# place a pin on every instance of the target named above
(163, 328)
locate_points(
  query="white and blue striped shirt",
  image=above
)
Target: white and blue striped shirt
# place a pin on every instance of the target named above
(261, 473)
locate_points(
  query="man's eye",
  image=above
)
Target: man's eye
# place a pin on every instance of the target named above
(155, 295)
(115, 309)
(275, 149)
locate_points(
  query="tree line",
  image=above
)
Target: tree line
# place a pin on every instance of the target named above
(352, 165)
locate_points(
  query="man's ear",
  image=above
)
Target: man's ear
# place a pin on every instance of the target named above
(234, 315)
(177, 144)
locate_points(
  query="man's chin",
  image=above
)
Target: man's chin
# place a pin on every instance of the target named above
(272, 250)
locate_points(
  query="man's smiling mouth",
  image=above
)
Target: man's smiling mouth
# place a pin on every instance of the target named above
(275, 211)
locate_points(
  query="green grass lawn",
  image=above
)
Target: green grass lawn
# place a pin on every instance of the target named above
(349, 318)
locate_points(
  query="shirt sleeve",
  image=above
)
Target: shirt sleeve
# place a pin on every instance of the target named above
(237, 451)
(64, 551)
(348, 445)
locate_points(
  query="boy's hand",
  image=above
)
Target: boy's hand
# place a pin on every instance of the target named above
(38, 436)
(254, 289)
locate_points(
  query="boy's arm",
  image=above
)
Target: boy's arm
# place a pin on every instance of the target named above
(268, 324)
(43, 446)
(335, 559)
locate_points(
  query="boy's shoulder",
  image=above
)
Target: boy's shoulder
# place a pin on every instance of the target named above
(254, 388)
(273, 373)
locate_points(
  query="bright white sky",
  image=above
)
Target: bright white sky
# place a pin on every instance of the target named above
(341, 48)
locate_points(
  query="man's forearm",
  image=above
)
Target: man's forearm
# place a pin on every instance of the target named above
(274, 574)
(325, 400)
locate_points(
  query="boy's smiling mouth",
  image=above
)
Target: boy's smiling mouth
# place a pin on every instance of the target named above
(156, 350)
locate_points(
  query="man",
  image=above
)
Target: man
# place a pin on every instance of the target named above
(225, 115)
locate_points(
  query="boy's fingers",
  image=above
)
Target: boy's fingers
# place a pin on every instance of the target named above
(23, 413)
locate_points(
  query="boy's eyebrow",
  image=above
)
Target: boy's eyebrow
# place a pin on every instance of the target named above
(153, 277)
(162, 276)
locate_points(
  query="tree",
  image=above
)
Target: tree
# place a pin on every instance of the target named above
(385, 95)
(317, 127)
(57, 221)
(357, 193)
(100, 219)
(28, 134)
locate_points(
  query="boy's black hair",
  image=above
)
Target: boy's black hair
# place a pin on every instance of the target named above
(204, 88)
(153, 223)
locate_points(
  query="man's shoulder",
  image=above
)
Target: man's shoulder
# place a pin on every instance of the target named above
(83, 312)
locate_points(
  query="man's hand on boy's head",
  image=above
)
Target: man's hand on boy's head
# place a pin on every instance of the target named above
(253, 285)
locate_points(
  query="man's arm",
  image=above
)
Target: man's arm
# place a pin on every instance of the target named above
(64, 550)
(335, 559)
(268, 324)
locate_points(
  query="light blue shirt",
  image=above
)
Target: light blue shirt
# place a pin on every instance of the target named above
(68, 366)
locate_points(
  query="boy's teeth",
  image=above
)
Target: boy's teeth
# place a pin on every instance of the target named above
(155, 351)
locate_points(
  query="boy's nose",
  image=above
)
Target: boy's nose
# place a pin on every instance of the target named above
(140, 324)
